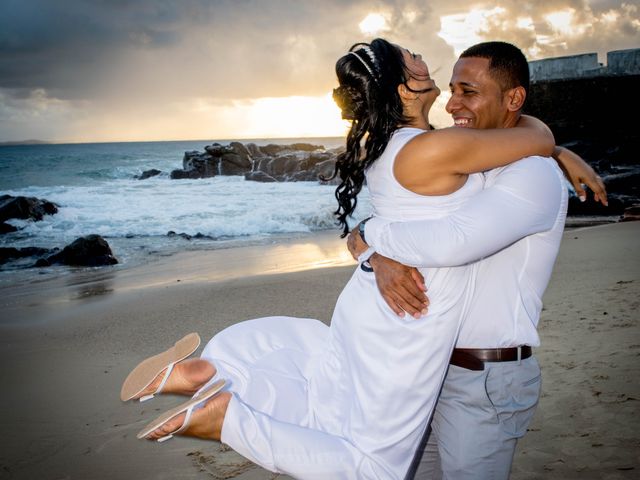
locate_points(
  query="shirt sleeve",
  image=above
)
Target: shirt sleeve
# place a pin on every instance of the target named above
(524, 199)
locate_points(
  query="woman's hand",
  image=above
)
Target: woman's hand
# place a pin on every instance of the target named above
(580, 172)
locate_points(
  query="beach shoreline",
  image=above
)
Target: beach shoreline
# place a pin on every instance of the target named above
(68, 343)
(36, 298)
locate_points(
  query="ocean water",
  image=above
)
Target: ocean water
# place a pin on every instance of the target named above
(96, 191)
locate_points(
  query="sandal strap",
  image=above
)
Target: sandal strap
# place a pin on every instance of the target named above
(158, 390)
(184, 425)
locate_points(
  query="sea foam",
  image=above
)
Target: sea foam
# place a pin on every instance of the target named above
(95, 189)
(218, 207)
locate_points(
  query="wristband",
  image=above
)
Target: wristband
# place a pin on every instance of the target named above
(361, 228)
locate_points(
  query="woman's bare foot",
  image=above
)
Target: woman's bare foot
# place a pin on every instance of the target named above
(205, 422)
(185, 378)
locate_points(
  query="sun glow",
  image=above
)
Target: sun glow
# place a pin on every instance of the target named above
(294, 116)
(525, 23)
(610, 17)
(463, 29)
(373, 23)
(561, 21)
(267, 117)
(410, 16)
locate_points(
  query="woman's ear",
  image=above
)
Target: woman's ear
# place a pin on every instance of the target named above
(406, 95)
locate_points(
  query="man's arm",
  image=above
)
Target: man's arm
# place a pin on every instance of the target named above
(403, 287)
(525, 199)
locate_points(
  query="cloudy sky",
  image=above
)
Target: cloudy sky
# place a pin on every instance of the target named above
(119, 70)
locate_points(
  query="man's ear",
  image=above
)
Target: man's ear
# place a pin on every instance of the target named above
(515, 99)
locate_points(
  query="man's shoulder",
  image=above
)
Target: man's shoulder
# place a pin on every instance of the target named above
(534, 170)
(527, 164)
(534, 161)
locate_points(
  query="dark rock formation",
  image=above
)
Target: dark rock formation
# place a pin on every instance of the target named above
(9, 253)
(254, 150)
(586, 115)
(298, 166)
(624, 183)
(186, 236)
(197, 165)
(273, 149)
(306, 147)
(215, 150)
(271, 163)
(182, 174)
(326, 169)
(25, 208)
(576, 207)
(259, 176)
(41, 263)
(585, 108)
(235, 164)
(631, 214)
(6, 228)
(148, 174)
(217, 159)
(89, 251)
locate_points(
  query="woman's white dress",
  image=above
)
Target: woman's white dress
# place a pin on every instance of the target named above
(349, 401)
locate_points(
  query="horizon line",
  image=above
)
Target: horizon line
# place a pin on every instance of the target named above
(49, 142)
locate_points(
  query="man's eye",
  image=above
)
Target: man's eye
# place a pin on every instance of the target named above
(468, 92)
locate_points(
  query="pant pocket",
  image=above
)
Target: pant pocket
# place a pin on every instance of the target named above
(514, 390)
(533, 381)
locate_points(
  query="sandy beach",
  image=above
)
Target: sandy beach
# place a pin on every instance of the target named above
(68, 343)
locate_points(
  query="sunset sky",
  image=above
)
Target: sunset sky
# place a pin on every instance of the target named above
(118, 70)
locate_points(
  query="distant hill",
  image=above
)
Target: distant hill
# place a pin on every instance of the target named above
(25, 142)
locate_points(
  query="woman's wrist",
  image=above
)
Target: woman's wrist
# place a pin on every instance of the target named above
(361, 229)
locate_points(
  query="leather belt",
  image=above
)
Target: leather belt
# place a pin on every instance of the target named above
(474, 358)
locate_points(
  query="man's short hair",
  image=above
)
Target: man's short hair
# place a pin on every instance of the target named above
(507, 63)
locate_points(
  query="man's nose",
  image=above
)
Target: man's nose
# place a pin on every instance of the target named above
(452, 104)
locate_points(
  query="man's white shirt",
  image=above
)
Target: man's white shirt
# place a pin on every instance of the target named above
(513, 228)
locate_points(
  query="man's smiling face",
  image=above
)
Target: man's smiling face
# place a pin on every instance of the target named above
(477, 99)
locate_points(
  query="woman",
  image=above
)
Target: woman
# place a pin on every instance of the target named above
(351, 400)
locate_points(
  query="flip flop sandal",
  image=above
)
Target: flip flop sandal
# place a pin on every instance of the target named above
(187, 407)
(145, 373)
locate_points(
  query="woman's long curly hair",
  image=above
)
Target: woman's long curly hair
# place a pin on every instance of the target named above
(368, 96)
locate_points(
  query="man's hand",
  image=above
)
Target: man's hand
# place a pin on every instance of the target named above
(402, 287)
(580, 172)
(355, 244)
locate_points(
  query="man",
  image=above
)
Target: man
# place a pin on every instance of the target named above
(515, 226)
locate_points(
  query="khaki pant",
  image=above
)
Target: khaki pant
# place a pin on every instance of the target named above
(478, 419)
